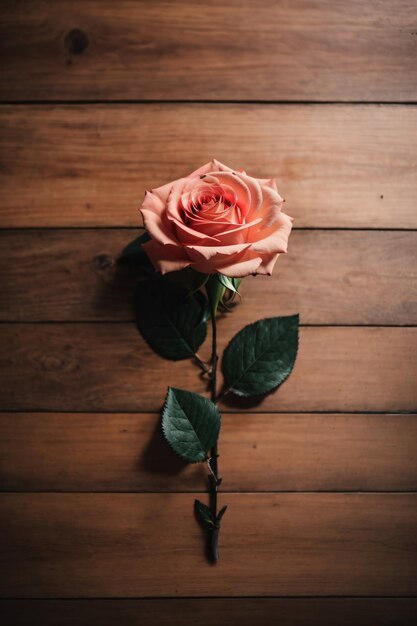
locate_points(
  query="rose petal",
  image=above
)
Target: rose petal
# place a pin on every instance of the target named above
(238, 234)
(277, 241)
(271, 205)
(246, 265)
(166, 258)
(233, 228)
(208, 252)
(153, 213)
(268, 182)
(255, 191)
(267, 265)
(240, 265)
(161, 193)
(234, 181)
(212, 166)
(173, 203)
(187, 235)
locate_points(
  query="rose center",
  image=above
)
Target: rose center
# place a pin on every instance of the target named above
(210, 204)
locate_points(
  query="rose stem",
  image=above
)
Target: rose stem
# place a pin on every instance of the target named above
(206, 369)
(213, 477)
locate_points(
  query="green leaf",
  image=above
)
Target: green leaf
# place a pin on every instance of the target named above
(198, 279)
(204, 513)
(215, 292)
(135, 255)
(231, 292)
(230, 283)
(261, 356)
(190, 423)
(171, 320)
(134, 245)
(220, 514)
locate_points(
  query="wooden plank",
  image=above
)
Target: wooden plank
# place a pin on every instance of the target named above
(108, 367)
(324, 276)
(259, 452)
(205, 612)
(86, 545)
(337, 166)
(186, 50)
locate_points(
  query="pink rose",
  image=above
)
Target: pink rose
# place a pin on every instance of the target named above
(216, 220)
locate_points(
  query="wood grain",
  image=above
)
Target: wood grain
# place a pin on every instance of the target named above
(266, 50)
(259, 452)
(330, 277)
(107, 99)
(205, 612)
(86, 545)
(337, 166)
(108, 367)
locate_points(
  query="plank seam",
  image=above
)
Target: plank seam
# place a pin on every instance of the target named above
(196, 491)
(224, 412)
(18, 229)
(131, 321)
(209, 597)
(136, 101)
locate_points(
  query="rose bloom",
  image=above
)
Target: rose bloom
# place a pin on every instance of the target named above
(216, 220)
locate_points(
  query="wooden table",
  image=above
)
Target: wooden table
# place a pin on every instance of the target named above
(102, 99)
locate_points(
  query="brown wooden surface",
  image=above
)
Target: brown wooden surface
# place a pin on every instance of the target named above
(117, 545)
(337, 166)
(262, 50)
(108, 367)
(259, 452)
(324, 275)
(304, 92)
(224, 612)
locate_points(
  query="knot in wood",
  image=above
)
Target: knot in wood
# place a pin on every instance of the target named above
(76, 41)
